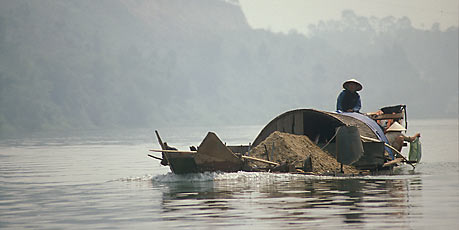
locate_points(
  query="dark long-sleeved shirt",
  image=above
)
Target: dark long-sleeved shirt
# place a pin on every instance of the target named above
(348, 100)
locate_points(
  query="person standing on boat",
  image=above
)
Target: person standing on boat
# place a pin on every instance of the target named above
(349, 99)
(396, 138)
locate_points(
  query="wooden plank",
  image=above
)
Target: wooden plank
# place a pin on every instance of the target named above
(298, 129)
(213, 155)
(388, 116)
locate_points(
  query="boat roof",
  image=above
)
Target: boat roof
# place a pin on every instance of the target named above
(320, 125)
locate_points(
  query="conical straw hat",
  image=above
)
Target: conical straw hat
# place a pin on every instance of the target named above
(350, 81)
(396, 127)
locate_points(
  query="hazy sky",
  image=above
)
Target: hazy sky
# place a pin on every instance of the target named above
(284, 15)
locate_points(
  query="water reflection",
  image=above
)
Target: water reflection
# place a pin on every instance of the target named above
(294, 199)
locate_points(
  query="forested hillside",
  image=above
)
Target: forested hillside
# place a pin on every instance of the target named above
(119, 64)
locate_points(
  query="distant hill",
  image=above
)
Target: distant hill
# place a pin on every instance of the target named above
(119, 64)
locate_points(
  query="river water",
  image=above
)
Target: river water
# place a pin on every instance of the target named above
(106, 181)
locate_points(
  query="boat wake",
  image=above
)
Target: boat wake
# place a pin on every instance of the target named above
(237, 176)
(133, 178)
(252, 177)
(189, 177)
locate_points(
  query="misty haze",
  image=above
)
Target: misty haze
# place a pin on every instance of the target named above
(86, 64)
(243, 95)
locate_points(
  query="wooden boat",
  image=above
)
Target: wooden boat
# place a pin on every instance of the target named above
(361, 144)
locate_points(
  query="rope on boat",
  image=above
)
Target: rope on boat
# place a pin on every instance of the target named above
(329, 141)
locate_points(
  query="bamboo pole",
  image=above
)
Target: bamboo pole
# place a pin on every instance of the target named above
(171, 151)
(157, 158)
(161, 143)
(260, 160)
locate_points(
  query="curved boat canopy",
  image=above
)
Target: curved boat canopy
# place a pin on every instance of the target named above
(320, 126)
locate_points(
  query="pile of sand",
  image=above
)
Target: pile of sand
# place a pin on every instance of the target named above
(285, 148)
